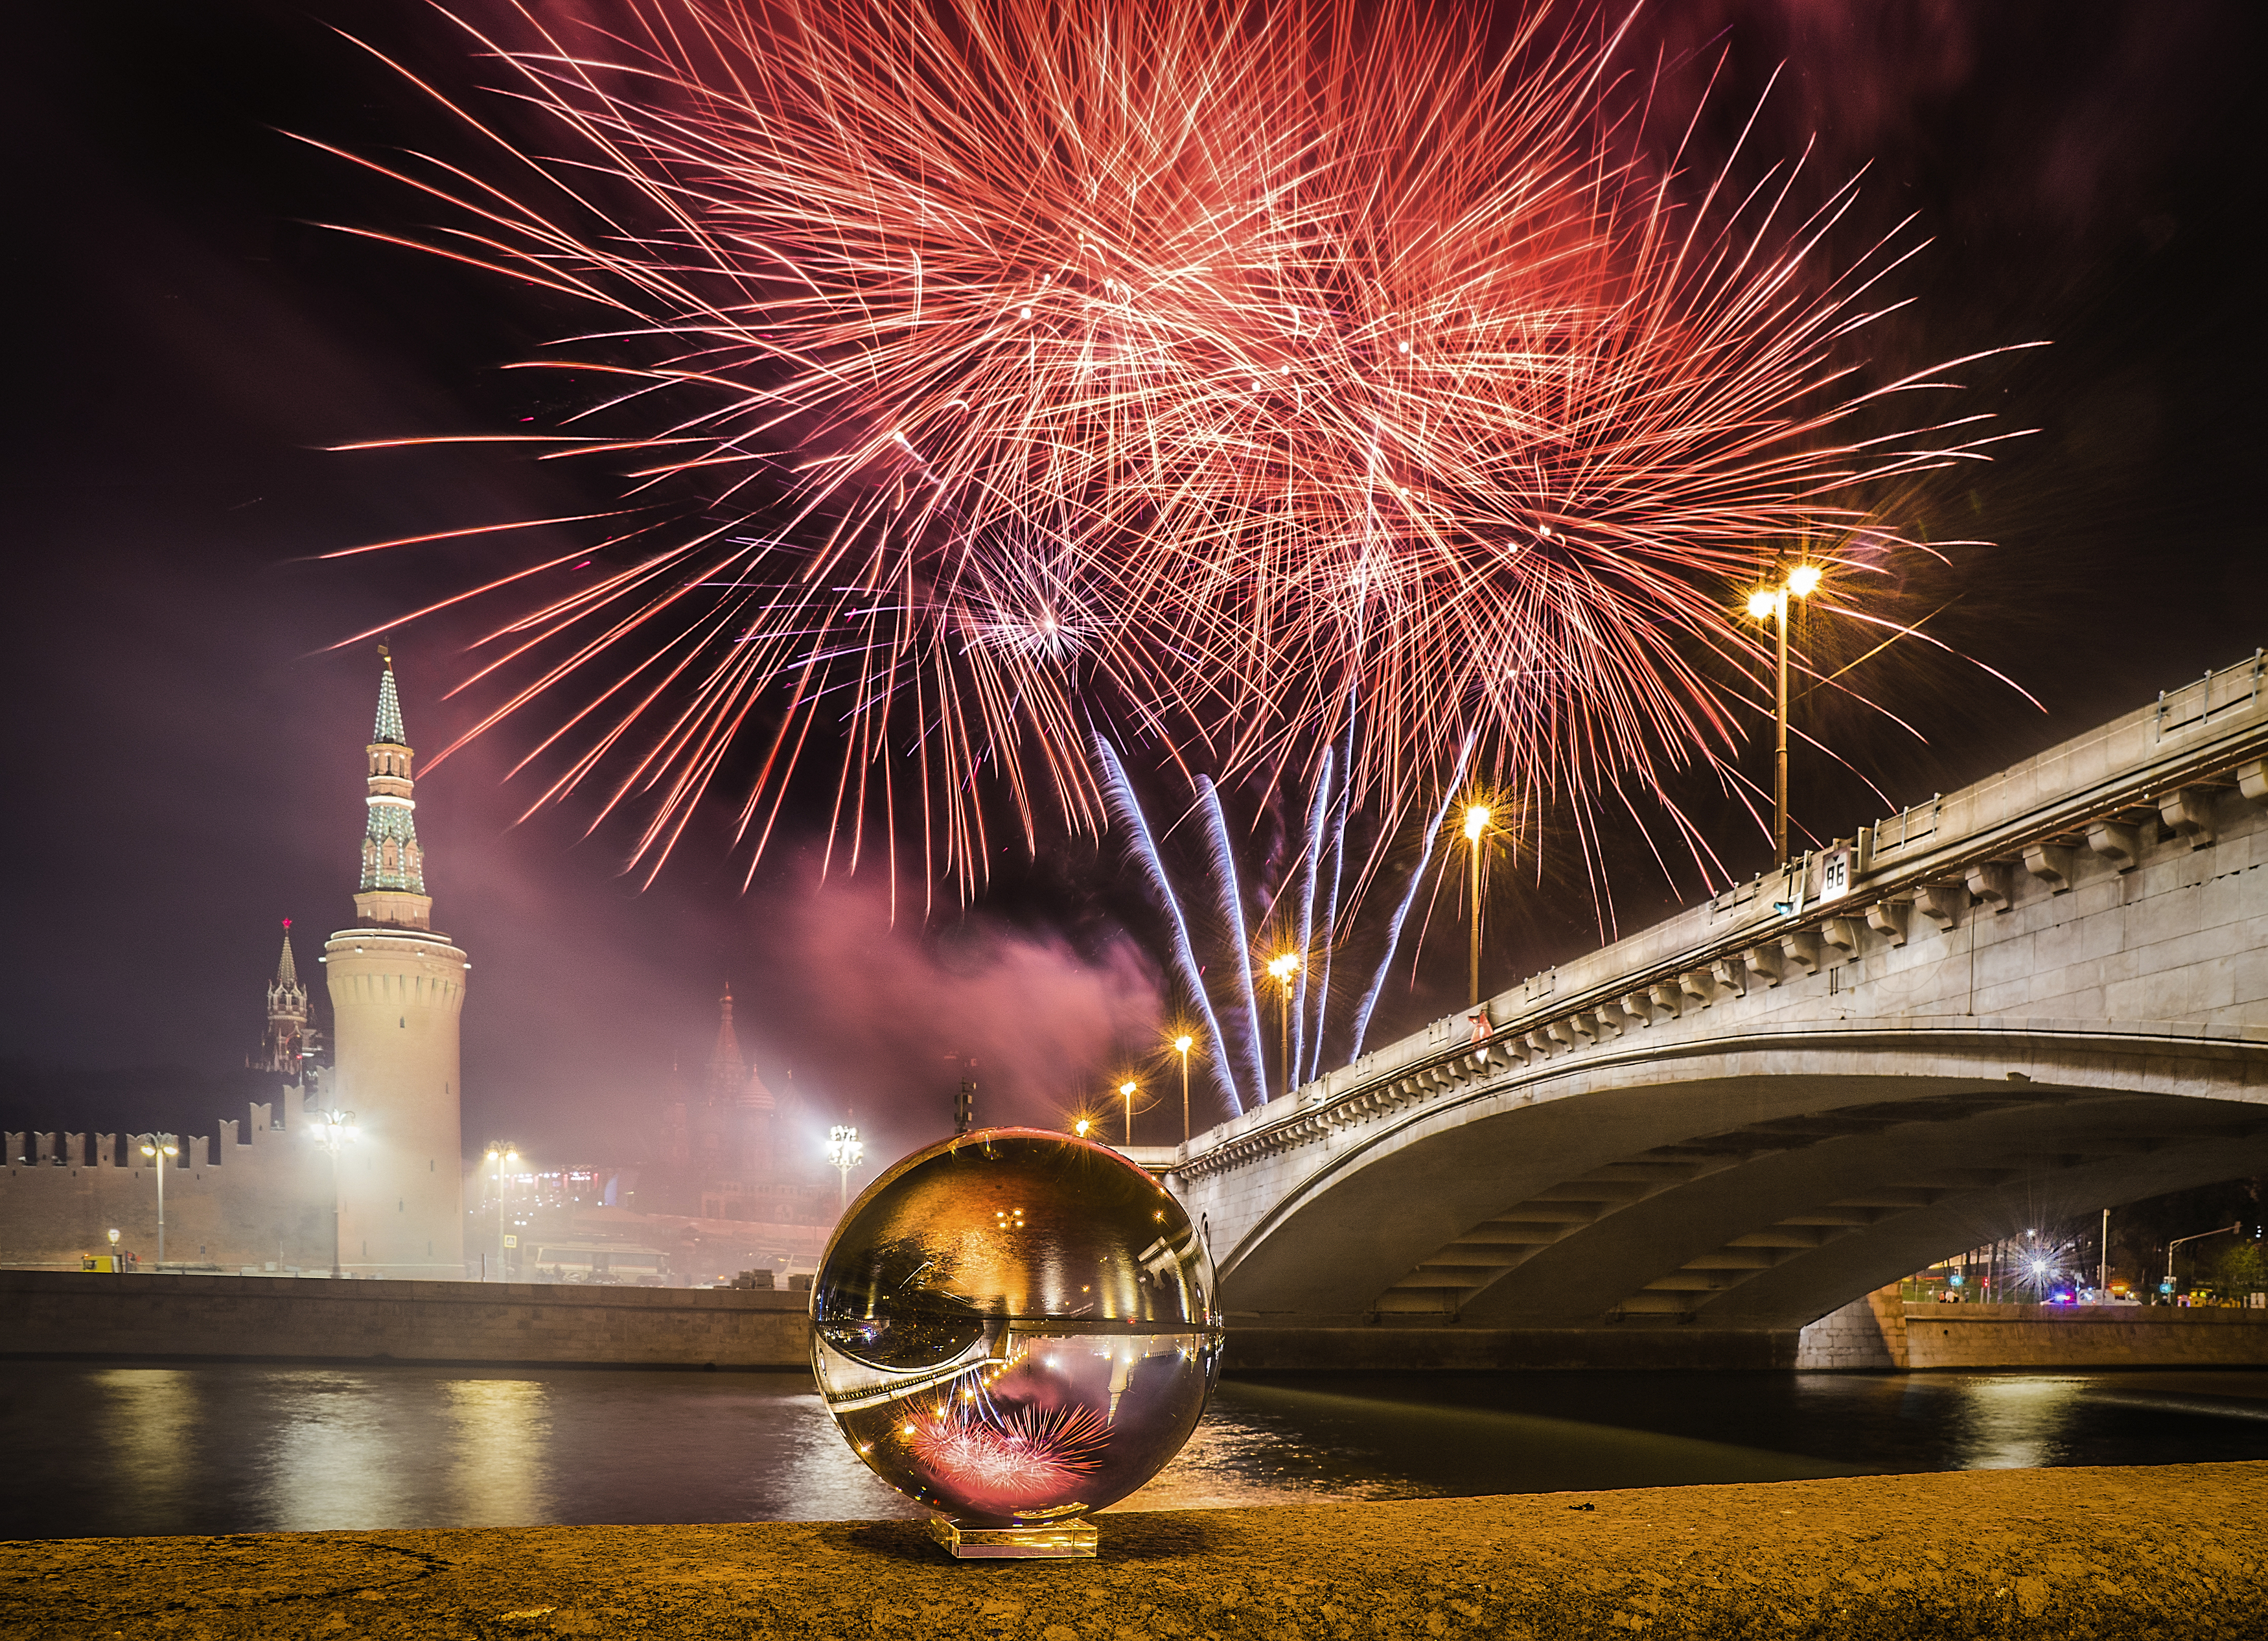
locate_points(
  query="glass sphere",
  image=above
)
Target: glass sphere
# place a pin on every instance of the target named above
(1015, 1327)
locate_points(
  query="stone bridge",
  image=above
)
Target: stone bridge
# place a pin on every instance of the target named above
(2045, 994)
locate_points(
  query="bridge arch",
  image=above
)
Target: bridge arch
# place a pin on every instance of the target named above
(2046, 991)
(1754, 1181)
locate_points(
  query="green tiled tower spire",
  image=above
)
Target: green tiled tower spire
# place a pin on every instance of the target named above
(389, 731)
(392, 862)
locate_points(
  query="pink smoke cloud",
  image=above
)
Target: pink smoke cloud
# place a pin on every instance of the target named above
(867, 1014)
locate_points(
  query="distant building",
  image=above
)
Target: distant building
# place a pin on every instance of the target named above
(257, 1197)
(739, 1151)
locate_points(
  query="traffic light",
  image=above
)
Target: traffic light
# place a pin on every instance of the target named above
(964, 1107)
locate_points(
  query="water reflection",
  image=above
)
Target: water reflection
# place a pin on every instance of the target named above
(1279, 1442)
(341, 1452)
(2019, 1423)
(92, 1449)
(145, 1418)
(500, 1474)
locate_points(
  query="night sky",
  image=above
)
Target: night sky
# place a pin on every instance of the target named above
(184, 750)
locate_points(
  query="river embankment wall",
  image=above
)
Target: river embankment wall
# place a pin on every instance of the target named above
(71, 1313)
(192, 1318)
(1883, 1331)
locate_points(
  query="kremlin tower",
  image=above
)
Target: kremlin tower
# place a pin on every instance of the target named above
(292, 1046)
(397, 988)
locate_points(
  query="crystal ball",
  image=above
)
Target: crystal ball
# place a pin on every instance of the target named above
(1015, 1327)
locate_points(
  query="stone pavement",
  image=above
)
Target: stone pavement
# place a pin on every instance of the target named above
(2174, 1551)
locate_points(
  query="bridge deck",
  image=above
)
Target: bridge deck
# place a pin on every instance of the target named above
(1813, 1075)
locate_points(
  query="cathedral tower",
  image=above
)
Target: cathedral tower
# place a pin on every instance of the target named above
(290, 1037)
(397, 988)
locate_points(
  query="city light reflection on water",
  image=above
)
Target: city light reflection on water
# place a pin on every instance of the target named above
(336, 1452)
(140, 1441)
(503, 1424)
(98, 1450)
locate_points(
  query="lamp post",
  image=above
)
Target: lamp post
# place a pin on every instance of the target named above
(2102, 1263)
(1280, 969)
(1477, 820)
(1772, 602)
(159, 1147)
(2197, 1237)
(1126, 1092)
(502, 1155)
(1182, 1045)
(844, 1153)
(334, 1130)
(115, 1267)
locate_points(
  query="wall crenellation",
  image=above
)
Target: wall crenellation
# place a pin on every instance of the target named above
(244, 1202)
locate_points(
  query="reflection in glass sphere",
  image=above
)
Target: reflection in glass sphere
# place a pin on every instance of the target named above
(1015, 1327)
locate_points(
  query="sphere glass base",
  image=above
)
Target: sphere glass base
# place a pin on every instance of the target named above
(1055, 1541)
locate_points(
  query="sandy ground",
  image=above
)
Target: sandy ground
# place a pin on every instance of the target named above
(2176, 1551)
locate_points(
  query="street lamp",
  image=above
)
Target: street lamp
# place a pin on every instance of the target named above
(2102, 1263)
(1126, 1093)
(1182, 1045)
(333, 1133)
(502, 1155)
(844, 1153)
(1281, 969)
(115, 1269)
(2197, 1237)
(1772, 602)
(1477, 820)
(159, 1147)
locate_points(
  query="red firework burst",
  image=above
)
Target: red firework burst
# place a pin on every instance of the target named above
(990, 369)
(1025, 1459)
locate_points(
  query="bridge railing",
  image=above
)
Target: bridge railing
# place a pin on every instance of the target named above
(2104, 790)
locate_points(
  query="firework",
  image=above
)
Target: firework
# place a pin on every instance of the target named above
(1363, 1009)
(1010, 1457)
(1315, 945)
(1144, 847)
(992, 372)
(1232, 912)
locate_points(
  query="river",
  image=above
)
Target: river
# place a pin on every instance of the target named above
(99, 1449)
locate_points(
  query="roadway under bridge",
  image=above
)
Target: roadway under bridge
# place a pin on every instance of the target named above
(2043, 995)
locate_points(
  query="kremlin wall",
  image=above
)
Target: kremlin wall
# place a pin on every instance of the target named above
(258, 1196)
(253, 1197)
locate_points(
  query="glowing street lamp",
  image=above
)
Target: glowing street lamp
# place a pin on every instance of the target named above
(115, 1267)
(502, 1156)
(1080, 1127)
(1477, 822)
(844, 1153)
(1280, 969)
(1771, 603)
(332, 1130)
(157, 1147)
(1126, 1092)
(1182, 1046)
